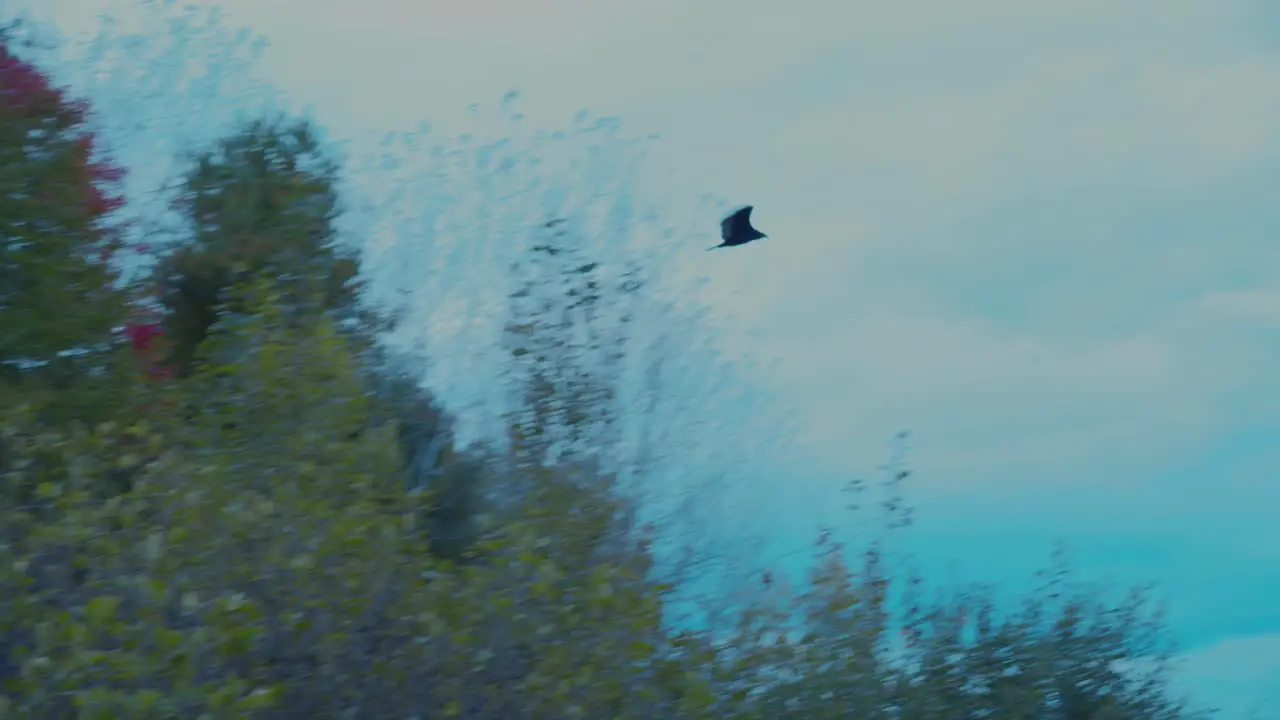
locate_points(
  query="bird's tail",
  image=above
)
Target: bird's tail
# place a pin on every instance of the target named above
(714, 247)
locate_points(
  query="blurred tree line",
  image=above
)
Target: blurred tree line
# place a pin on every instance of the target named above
(220, 497)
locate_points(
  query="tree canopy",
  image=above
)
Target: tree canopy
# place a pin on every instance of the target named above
(59, 300)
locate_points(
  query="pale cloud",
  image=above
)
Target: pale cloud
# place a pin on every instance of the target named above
(1003, 403)
(510, 22)
(1101, 346)
(1260, 307)
(1237, 675)
(1111, 119)
(981, 397)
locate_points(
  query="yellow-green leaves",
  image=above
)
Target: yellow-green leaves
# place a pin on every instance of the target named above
(48, 490)
(101, 610)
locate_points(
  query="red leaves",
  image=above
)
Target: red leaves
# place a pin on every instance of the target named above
(26, 92)
(26, 95)
(94, 175)
(141, 334)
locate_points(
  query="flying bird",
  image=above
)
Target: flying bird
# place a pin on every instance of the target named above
(736, 229)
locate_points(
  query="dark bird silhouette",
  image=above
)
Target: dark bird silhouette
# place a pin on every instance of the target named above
(736, 229)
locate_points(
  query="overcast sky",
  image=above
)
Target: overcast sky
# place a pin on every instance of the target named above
(1042, 236)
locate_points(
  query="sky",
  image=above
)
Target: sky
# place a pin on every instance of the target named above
(1039, 236)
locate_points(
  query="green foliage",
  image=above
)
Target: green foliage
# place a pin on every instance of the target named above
(278, 564)
(1066, 653)
(429, 459)
(261, 202)
(268, 561)
(58, 298)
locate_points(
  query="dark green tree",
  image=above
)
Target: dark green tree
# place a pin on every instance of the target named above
(59, 295)
(262, 202)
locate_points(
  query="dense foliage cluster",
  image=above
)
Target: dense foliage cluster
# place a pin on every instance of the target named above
(57, 290)
(282, 527)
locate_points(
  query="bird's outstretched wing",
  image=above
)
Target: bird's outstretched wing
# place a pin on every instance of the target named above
(726, 228)
(740, 221)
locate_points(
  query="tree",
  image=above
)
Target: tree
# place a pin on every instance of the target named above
(59, 296)
(863, 639)
(261, 202)
(279, 571)
(272, 567)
